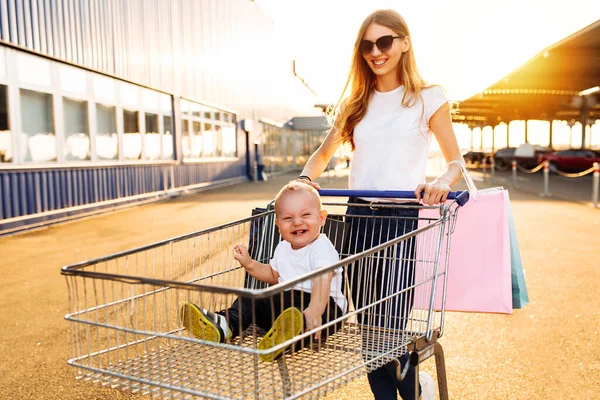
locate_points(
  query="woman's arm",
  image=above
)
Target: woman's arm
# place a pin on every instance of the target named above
(318, 160)
(441, 125)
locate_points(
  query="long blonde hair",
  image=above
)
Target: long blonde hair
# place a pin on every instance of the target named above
(350, 110)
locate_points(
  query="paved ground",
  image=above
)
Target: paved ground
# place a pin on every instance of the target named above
(549, 350)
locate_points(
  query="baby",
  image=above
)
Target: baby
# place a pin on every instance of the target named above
(299, 216)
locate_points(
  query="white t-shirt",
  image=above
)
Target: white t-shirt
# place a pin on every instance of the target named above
(392, 141)
(290, 263)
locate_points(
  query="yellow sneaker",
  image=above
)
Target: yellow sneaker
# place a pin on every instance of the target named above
(288, 324)
(204, 324)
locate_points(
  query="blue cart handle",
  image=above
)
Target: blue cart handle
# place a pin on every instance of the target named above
(461, 196)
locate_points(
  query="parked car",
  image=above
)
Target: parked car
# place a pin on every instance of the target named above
(526, 155)
(574, 160)
(476, 157)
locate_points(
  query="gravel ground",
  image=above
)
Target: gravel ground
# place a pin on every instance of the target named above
(549, 350)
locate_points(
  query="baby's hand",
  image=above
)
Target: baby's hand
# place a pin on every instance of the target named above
(312, 320)
(240, 253)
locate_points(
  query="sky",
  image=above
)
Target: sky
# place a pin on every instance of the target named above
(463, 45)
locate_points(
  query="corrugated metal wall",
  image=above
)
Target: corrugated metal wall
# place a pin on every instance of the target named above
(219, 51)
(50, 190)
(34, 192)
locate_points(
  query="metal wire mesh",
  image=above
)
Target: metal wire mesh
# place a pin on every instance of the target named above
(126, 327)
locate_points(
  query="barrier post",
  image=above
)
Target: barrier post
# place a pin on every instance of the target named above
(596, 184)
(546, 178)
(514, 173)
(492, 170)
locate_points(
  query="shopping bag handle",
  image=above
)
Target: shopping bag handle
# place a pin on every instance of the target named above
(461, 196)
(467, 176)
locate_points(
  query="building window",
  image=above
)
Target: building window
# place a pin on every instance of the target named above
(229, 141)
(196, 140)
(186, 144)
(166, 109)
(6, 141)
(167, 147)
(37, 141)
(77, 134)
(69, 114)
(132, 138)
(152, 143)
(218, 141)
(213, 132)
(151, 123)
(107, 142)
(209, 141)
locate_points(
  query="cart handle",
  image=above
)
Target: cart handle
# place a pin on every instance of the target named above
(461, 196)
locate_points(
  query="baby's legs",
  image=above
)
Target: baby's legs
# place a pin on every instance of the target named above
(222, 325)
(246, 311)
(300, 300)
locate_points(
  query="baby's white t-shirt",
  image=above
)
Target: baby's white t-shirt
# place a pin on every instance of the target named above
(290, 263)
(392, 141)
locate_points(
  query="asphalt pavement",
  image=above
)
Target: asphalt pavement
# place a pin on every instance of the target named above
(548, 350)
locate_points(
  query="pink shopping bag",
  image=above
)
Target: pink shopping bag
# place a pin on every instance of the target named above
(479, 272)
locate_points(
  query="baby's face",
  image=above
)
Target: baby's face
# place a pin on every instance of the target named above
(299, 218)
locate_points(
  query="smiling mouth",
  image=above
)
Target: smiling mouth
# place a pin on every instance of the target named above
(299, 232)
(379, 63)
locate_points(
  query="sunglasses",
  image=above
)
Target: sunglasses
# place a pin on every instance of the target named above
(384, 43)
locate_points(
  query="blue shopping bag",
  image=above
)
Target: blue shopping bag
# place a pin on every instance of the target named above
(519, 289)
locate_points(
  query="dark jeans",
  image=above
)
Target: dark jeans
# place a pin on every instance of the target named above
(386, 272)
(263, 312)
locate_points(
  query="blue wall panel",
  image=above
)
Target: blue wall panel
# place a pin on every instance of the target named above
(29, 193)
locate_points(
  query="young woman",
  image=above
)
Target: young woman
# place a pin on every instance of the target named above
(388, 117)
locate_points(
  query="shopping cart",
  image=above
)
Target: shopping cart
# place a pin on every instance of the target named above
(125, 319)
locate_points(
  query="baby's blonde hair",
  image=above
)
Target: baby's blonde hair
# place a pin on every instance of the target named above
(295, 186)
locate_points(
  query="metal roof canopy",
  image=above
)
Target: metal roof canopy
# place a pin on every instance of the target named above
(549, 86)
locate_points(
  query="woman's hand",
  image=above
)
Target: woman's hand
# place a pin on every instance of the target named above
(432, 193)
(240, 253)
(308, 182)
(312, 320)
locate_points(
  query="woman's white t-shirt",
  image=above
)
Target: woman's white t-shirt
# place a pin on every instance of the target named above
(290, 264)
(392, 141)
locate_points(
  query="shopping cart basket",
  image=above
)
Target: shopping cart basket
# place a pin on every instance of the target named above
(126, 328)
